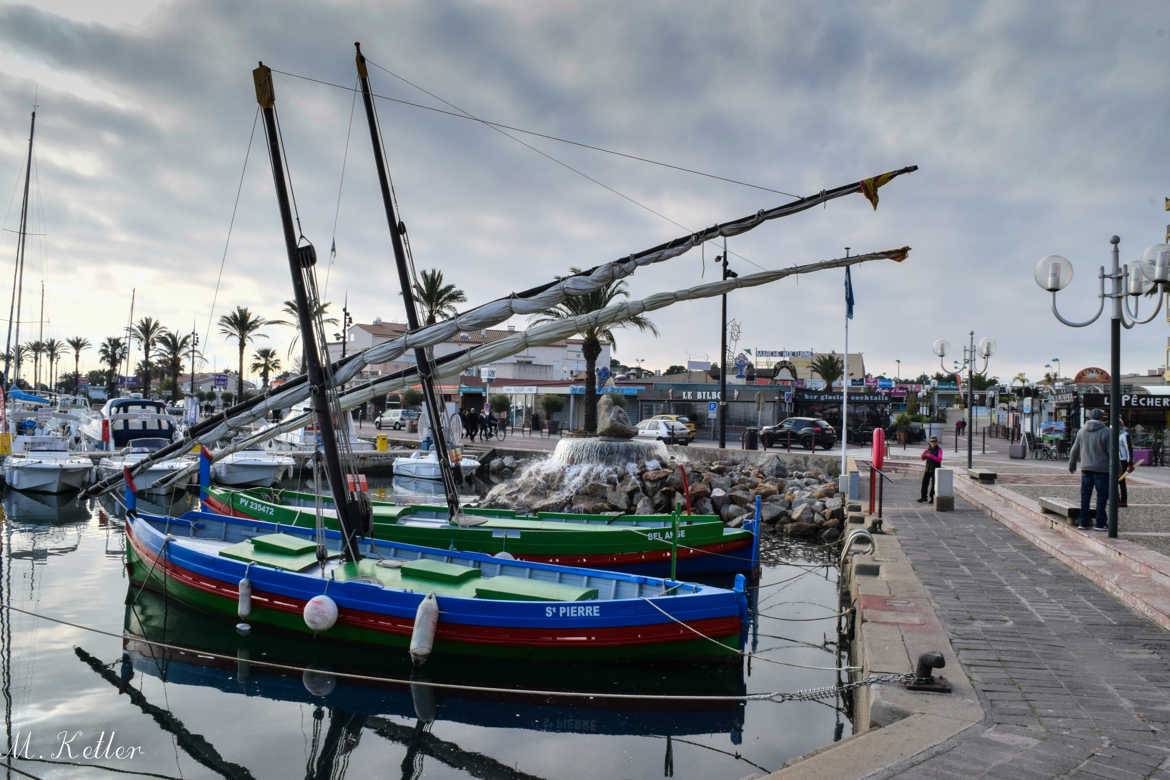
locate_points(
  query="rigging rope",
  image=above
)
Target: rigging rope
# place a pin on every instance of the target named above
(340, 183)
(500, 128)
(746, 697)
(231, 224)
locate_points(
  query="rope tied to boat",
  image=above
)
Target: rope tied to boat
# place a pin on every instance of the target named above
(742, 654)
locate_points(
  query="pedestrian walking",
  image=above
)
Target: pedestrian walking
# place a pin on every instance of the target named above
(1091, 450)
(933, 457)
(1125, 455)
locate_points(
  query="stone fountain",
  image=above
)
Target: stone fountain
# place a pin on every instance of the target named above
(583, 465)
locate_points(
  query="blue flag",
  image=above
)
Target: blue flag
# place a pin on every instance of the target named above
(848, 294)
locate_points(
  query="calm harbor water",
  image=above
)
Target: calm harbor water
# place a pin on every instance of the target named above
(79, 703)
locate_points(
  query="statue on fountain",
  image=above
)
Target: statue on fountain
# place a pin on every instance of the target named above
(612, 420)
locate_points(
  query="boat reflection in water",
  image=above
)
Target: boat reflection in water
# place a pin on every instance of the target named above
(53, 508)
(214, 656)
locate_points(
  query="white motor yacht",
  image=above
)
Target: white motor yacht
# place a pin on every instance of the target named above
(425, 465)
(46, 466)
(252, 468)
(147, 481)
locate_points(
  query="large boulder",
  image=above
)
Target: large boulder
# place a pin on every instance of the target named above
(700, 490)
(733, 514)
(612, 420)
(719, 498)
(770, 511)
(828, 490)
(644, 507)
(765, 490)
(618, 498)
(802, 530)
(740, 497)
(702, 507)
(802, 513)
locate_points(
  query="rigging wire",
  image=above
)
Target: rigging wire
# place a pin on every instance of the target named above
(498, 127)
(534, 133)
(231, 225)
(288, 173)
(340, 183)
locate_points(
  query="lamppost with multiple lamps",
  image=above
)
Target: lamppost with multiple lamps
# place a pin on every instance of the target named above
(727, 274)
(985, 349)
(194, 350)
(1054, 273)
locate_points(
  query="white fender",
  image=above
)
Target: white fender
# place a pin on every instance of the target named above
(244, 607)
(426, 621)
(320, 613)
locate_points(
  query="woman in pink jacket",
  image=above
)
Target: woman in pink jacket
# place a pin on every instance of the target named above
(933, 457)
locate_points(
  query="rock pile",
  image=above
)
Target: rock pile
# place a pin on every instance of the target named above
(802, 504)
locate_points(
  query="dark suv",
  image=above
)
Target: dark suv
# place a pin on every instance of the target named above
(804, 432)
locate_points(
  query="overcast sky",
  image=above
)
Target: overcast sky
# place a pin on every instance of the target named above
(1039, 128)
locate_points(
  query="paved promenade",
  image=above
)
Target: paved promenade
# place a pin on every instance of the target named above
(1072, 682)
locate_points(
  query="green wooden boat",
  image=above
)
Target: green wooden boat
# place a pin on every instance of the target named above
(640, 544)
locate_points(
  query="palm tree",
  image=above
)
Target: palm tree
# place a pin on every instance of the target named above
(148, 331)
(437, 299)
(172, 349)
(111, 353)
(828, 367)
(37, 348)
(1020, 379)
(289, 310)
(77, 344)
(19, 353)
(54, 348)
(577, 305)
(265, 361)
(241, 325)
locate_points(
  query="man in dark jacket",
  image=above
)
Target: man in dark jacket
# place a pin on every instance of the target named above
(932, 456)
(1091, 450)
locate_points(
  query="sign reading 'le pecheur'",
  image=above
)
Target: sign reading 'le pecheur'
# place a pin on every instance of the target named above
(1131, 401)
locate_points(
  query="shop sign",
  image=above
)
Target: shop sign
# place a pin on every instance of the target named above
(700, 395)
(1132, 401)
(1064, 398)
(523, 390)
(615, 389)
(831, 397)
(948, 387)
(781, 354)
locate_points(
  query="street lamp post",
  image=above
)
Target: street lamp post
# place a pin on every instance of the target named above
(1053, 273)
(898, 373)
(985, 349)
(194, 349)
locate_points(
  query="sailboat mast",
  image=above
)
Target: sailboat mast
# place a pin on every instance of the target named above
(301, 259)
(130, 333)
(420, 355)
(18, 270)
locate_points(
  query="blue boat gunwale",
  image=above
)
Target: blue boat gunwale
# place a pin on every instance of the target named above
(701, 602)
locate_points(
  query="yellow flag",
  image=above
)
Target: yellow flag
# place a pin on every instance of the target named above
(869, 187)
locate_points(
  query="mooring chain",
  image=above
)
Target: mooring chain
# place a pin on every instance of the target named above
(832, 691)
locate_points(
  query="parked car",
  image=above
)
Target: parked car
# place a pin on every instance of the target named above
(804, 432)
(395, 419)
(666, 431)
(678, 418)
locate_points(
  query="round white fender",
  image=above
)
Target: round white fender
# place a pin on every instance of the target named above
(507, 556)
(244, 607)
(320, 613)
(426, 621)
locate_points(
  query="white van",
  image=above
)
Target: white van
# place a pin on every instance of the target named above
(395, 419)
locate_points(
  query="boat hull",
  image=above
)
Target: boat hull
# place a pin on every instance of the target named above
(625, 629)
(249, 474)
(704, 547)
(46, 477)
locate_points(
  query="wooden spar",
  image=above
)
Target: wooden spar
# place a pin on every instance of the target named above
(301, 260)
(450, 364)
(421, 359)
(18, 270)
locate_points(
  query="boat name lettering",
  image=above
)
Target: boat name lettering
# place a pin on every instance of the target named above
(574, 611)
(660, 536)
(252, 505)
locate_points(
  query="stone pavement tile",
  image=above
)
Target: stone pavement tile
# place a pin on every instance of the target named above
(1111, 770)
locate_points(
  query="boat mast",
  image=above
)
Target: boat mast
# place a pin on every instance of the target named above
(301, 259)
(397, 229)
(425, 373)
(18, 270)
(130, 334)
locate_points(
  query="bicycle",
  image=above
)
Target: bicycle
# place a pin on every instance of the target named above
(501, 430)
